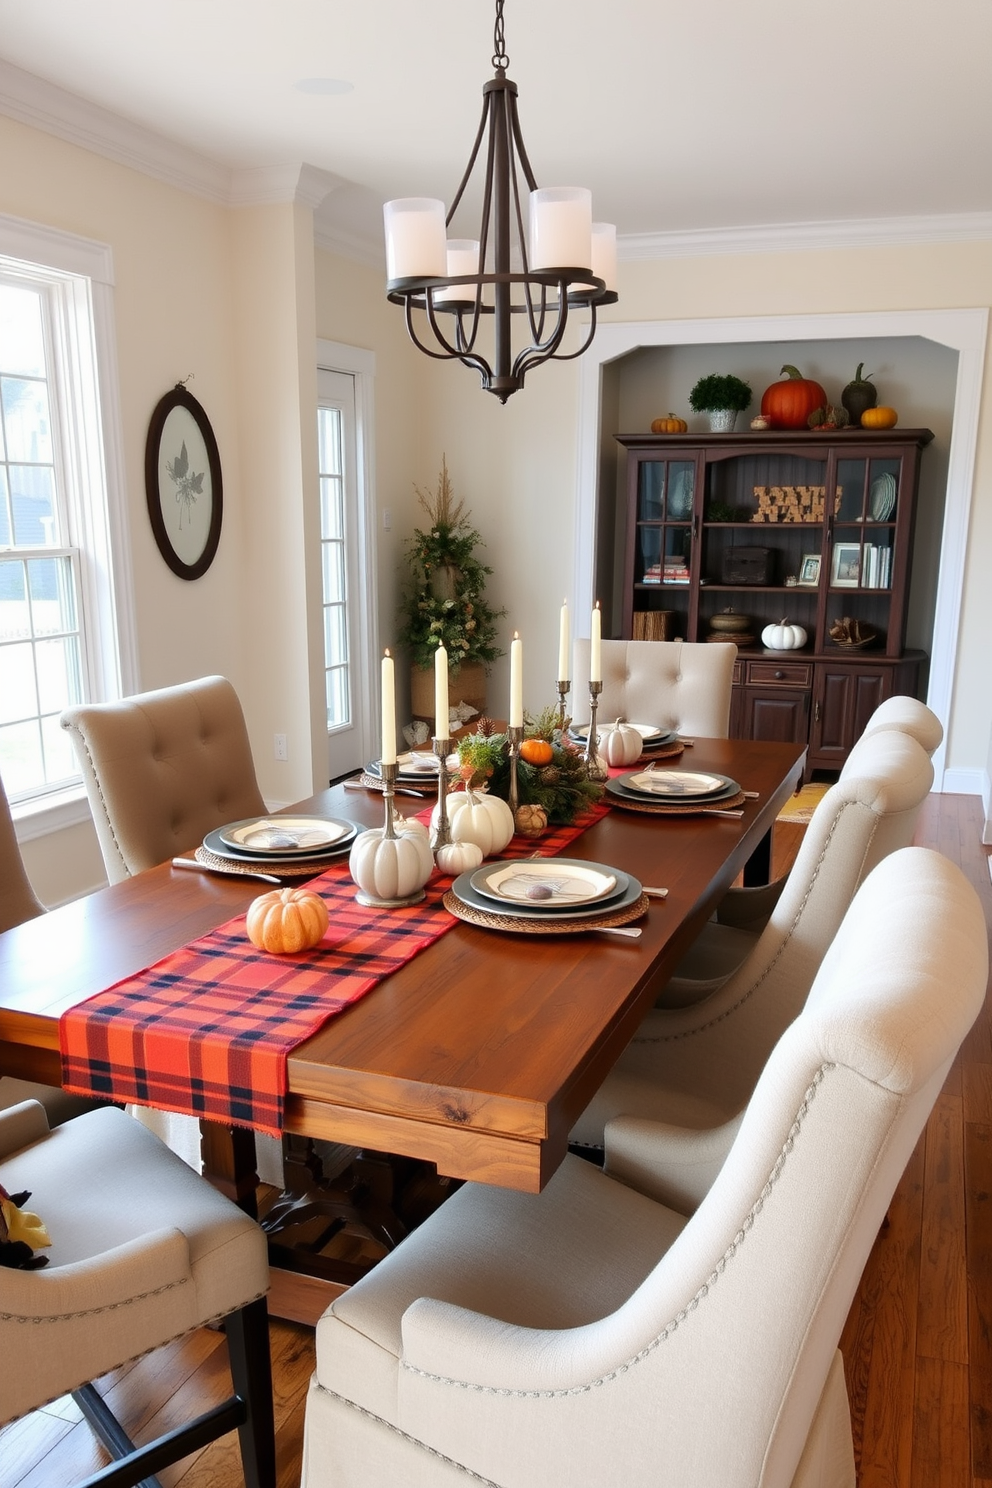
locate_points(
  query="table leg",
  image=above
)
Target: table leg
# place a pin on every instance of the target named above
(228, 1154)
(758, 868)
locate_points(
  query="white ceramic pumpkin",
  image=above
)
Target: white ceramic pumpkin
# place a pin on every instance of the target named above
(458, 857)
(391, 867)
(783, 636)
(476, 816)
(620, 744)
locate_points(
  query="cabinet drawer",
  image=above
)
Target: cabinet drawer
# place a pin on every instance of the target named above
(780, 673)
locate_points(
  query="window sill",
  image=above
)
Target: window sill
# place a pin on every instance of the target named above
(48, 814)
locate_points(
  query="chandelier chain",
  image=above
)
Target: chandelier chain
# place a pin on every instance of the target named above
(500, 60)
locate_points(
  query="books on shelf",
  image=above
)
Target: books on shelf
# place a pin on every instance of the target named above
(672, 571)
(876, 566)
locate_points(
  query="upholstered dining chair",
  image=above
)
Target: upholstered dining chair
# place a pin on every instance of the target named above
(162, 769)
(673, 684)
(142, 1252)
(610, 1330)
(909, 716)
(19, 903)
(697, 1056)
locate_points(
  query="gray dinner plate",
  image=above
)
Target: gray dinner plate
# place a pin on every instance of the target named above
(463, 890)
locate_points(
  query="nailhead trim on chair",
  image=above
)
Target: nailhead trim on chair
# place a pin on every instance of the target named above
(68, 1316)
(673, 1038)
(69, 728)
(690, 1306)
(414, 1440)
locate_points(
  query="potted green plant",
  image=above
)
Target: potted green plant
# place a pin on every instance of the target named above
(443, 603)
(723, 398)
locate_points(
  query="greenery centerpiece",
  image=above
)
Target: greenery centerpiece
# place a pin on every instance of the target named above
(722, 397)
(551, 772)
(443, 601)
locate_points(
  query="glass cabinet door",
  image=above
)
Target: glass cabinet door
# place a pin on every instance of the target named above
(662, 547)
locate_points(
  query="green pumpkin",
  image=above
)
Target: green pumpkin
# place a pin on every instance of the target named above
(859, 395)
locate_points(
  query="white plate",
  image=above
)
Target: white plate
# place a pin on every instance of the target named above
(550, 884)
(676, 785)
(649, 732)
(882, 497)
(416, 763)
(280, 835)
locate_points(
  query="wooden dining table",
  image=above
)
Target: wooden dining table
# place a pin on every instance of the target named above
(478, 1054)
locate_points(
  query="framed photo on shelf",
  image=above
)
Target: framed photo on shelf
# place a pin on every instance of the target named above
(845, 572)
(809, 570)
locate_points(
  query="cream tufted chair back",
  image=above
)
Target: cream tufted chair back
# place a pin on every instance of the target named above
(18, 900)
(614, 1329)
(162, 769)
(672, 684)
(908, 716)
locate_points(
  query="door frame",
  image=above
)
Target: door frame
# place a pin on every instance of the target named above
(357, 362)
(965, 331)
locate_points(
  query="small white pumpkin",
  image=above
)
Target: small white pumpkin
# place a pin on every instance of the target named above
(783, 636)
(458, 857)
(620, 744)
(391, 867)
(476, 816)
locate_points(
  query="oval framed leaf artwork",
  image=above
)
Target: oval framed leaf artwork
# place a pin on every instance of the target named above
(183, 483)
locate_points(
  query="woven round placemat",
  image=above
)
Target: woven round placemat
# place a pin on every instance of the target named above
(521, 926)
(688, 808)
(667, 751)
(282, 868)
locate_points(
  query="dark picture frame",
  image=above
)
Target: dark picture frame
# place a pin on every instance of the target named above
(183, 483)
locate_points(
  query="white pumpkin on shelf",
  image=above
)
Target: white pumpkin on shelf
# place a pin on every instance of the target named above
(476, 816)
(389, 868)
(783, 636)
(620, 744)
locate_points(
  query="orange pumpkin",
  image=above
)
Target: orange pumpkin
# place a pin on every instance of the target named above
(669, 425)
(788, 404)
(286, 921)
(879, 418)
(537, 752)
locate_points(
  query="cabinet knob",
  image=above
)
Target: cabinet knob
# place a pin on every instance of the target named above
(779, 676)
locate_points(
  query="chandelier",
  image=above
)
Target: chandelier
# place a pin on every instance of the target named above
(524, 282)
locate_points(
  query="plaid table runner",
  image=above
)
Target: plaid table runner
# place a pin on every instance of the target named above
(206, 1031)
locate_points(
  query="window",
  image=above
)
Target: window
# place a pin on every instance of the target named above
(40, 642)
(347, 547)
(65, 613)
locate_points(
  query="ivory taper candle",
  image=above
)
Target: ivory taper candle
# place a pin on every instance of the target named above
(563, 657)
(441, 693)
(388, 712)
(596, 646)
(516, 682)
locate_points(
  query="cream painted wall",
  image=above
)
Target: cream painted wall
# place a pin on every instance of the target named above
(226, 298)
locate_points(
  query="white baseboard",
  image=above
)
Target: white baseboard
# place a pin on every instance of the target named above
(966, 783)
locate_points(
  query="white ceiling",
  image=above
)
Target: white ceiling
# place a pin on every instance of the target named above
(681, 117)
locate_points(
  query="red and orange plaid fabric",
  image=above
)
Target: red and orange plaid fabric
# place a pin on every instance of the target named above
(207, 1030)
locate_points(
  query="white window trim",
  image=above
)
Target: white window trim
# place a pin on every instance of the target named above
(335, 356)
(83, 276)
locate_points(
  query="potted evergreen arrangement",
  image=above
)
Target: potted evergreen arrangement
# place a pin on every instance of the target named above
(444, 603)
(723, 398)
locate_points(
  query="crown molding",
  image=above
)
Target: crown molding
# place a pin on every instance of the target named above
(43, 105)
(348, 245)
(267, 184)
(790, 237)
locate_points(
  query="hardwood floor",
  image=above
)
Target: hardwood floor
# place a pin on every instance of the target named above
(917, 1345)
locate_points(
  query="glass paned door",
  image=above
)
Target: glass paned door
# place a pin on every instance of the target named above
(340, 578)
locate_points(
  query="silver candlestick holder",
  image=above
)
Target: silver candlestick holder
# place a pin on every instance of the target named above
(595, 768)
(367, 882)
(514, 738)
(441, 835)
(564, 688)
